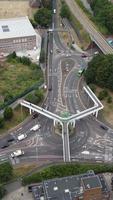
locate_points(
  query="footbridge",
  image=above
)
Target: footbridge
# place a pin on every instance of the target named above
(65, 121)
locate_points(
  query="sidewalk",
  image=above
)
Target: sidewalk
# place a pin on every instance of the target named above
(19, 194)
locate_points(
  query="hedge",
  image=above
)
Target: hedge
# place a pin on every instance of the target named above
(65, 170)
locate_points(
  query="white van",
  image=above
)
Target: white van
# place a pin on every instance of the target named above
(17, 153)
(21, 137)
(35, 128)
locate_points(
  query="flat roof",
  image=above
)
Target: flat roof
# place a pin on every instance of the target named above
(65, 188)
(91, 182)
(16, 27)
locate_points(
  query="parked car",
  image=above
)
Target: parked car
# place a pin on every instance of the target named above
(17, 153)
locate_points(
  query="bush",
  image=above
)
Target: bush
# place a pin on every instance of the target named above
(8, 113)
(65, 12)
(103, 94)
(25, 61)
(92, 87)
(109, 99)
(42, 56)
(8, 97)
(43, 17)
(1, 122)
(11, 56)
(66, 170)
(2, 191)
(6, 172)
(39, 94)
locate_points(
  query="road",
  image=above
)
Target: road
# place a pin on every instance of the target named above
(89, 26)
(45, 144)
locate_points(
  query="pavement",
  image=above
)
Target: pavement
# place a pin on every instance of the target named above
(19, 194)
(108, 177)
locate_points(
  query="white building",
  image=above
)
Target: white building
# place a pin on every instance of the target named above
(17, 34)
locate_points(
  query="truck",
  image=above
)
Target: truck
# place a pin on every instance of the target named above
(17, 153)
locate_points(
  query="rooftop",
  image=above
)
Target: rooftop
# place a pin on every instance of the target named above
(16, 27)
(91, 182)
(65, 188)
(71, 187)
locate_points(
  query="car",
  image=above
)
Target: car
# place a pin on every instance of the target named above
(4, 145)
(50, 88)
(35, 115)
(36, 127)
(21, 136)
(104, 127)
(17, 153)
(54, 11)
(83, 55)
(10, 138)
(51, 51)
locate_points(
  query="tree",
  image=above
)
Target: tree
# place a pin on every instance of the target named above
(39, 94)
(65, 12)
(2, 191)
(8, 113)
(43, 17)
(100, 71)
(6, 172)
(47, 4)
(42, 56)
(1, 122)
(8, 97)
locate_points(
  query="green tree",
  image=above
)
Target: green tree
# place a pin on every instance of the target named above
(8, 113)
(6, 172)
(8, 97)
(42, 56)
(39, 94)
(25, 60)
(1, 122)
(109, 99)
(100, 71)
(43, 17)
(65, 12)
(47, 3)
(2, 191)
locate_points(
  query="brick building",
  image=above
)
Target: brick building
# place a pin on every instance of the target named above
(86, 186)
(16, 34)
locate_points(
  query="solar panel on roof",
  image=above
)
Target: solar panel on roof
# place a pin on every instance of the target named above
(5, 28)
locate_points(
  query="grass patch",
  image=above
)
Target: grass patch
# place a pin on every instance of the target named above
(19, 114)
(107, 112)
(82, 34)
(23, 170)
(15, 78)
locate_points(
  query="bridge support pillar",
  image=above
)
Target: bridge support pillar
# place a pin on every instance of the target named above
(54, 122)
(30, 111)
(96, 114)
(73, 123)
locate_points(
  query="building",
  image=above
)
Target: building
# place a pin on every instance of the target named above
(86, 186)
(16, 34)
